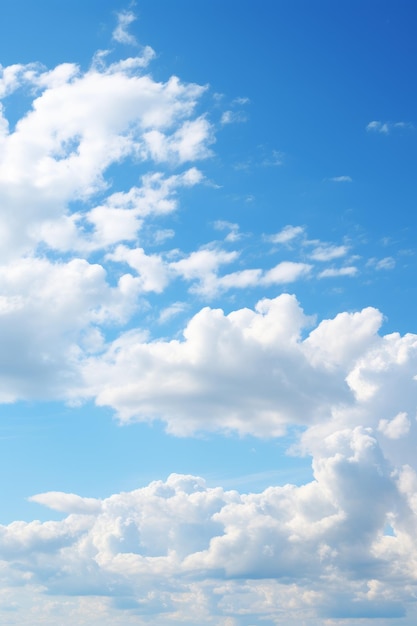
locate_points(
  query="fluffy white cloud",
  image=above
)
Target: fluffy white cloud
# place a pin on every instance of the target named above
(237, 556)
(242, 372)
(80, 124)
(75, 260)
(50, 313)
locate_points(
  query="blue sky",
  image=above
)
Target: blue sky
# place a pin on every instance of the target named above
(207, 289)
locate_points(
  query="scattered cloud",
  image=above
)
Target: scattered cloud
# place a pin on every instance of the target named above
(172, 311)
(241, 100)
(341, 179)
(74, 270)
(277, 158)
(334, 272)
(120, 33)
(233, 234)
(286, 272)
(328, 252)
(387, 263)
(287, 234)
(233, 117)
(387, 127)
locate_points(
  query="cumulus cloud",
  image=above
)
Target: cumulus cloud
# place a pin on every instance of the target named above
(111, 113)
(75, 267)
(50, 312)
(241, 372)
(235, 554)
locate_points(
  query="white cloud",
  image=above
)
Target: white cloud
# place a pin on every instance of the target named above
(239, 371)
(341, 179)
(326, 252)
(233, 117)
(387, 263)
(146, 556)
(333, 272)
(189, 143)
(233, 235)
(201, 267)
(48, 311)
(111, 113)
(241, 100)
(120, 33)
(386, 127)
(236, 556)
(398, 427)
(67, 502)
(287, 234)
(151, 269)
(171, 311)
(378, 127)
(286, 272)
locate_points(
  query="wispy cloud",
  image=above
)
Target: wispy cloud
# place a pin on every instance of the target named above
(287, 234)
(121, 33)
(233, 117)
(386, 127)
(340, 179)
(387, 263)
(171, 311)
(328, 252)
(233, 234)
(333, 272)
(276, 158)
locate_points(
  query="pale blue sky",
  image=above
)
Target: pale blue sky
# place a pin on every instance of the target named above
(207, 269)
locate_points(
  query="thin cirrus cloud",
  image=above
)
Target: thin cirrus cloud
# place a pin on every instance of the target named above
(121, 33)
(341, 179)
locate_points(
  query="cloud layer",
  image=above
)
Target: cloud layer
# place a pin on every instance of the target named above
(340, 546)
